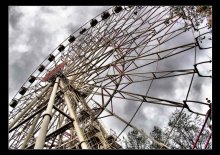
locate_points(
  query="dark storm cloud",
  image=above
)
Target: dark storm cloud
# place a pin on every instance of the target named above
(197, 86)
(14, 16)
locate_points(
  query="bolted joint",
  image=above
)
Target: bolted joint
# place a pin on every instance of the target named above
(185, 105)
(48, 115)
(80, 144)
(56, 82)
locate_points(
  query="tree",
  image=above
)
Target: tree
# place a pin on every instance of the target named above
(158, 135)
(185, 131)
(183, 135)
(135, 140)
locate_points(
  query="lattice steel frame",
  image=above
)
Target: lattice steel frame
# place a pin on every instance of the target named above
(101, 61)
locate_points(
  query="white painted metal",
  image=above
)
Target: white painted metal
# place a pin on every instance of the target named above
(47, 117)
(28, 106)
(79, 131)
(30, 131)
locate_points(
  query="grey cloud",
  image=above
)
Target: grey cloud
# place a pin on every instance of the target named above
(197, 86)
(21, 65)
(19, 69)
(82, 17)
(141, 120)
(47, 9)
(14, 16)
(72, 27)
(39, 41)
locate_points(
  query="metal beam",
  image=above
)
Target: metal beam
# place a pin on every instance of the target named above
(30, 131)
(47, 117)
(38, 111)
(62, 113)
(129, 124)
(76, 125)
(55, 133)
(15, 120)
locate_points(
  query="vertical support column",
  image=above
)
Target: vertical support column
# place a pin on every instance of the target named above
(30, 131)
(28, 107)
(97, 124)
(79, 131)
(47, 117)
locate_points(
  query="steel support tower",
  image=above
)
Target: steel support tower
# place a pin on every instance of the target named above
(81, 129)
(116, 58)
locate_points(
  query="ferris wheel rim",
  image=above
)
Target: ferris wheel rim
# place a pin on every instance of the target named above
(120, 77)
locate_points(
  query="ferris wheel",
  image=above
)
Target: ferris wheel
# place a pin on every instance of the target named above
(112, 70)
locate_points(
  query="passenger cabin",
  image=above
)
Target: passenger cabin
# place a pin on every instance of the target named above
(51, 57)
(117, 9)
(13, 103)
(41, 68)
(93, 22)
(32, 79)
(71, 39)
(82, 31)
(61, 48)
(105, 15)
(22, 91)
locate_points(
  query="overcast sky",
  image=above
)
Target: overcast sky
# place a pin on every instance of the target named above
(36, 31)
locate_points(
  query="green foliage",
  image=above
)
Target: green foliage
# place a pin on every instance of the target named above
(135, 140)
(185, 131)
(158, 135)
(183, 136)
